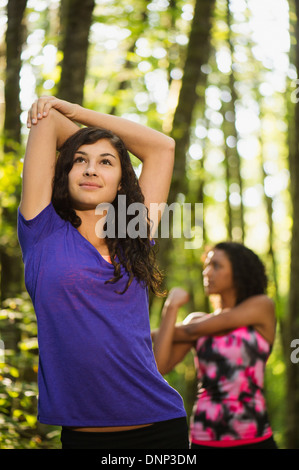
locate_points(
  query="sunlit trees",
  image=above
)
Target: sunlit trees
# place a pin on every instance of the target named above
(10, 260)
(202, 71)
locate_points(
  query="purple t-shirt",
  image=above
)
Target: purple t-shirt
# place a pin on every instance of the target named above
(96, 363)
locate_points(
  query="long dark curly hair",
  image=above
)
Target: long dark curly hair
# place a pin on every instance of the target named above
(249, 274)
(136, 255)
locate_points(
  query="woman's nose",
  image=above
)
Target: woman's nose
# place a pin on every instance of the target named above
(206, 271)
(90, 170)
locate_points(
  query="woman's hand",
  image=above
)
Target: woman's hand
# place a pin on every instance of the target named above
(177, 297)
(41, 107)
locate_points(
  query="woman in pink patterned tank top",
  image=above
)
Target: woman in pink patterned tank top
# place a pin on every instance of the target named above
(231, 347)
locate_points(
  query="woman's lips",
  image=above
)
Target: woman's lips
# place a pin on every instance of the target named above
(90, 185)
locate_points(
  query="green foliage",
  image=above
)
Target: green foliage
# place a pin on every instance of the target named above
(10, 190)
(275, 390)
(18, 379)
(136, 63)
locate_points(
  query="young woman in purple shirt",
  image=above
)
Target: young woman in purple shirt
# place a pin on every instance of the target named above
(97, 374)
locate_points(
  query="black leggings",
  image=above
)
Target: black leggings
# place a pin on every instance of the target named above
(172, 434)
(266, 444)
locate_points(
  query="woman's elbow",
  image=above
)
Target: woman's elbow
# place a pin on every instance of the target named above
(163, 369)
(171, 144)
(191, 332)
(171, 148)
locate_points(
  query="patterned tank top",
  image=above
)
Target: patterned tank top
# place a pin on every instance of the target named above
(230, 407)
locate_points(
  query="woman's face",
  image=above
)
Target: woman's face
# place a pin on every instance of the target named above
(218, 274)
(95, 176)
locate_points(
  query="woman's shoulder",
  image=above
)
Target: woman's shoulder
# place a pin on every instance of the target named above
(259, 303)
(264, 305)
(266, 317)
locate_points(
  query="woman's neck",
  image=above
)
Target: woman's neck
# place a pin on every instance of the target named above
(91, 228)
(228, 301)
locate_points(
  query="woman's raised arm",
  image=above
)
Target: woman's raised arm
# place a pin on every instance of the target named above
(45, 137)
(153, 148)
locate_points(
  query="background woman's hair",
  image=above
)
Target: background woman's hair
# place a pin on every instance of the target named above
(249, 273)
(136, 255)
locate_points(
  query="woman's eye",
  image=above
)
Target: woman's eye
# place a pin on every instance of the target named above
(218, 266)
(79, 160)
(105, 161)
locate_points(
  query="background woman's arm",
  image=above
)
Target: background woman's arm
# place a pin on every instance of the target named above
(167, 353)
(257, 311)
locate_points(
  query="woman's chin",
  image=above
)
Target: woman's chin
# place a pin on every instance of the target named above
(209, 290)
(85, 205)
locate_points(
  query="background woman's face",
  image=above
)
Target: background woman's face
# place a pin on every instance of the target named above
(218, 274)
(95, 176)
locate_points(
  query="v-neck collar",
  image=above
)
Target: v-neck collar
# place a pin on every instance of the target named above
(91, 246)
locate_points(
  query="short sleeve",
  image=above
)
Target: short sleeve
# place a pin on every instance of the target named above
(32, 231)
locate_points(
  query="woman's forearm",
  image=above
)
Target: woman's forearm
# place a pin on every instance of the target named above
(167, 353)
(64, 128)
(154, 149)
(163, 338)
(256, 311)
(140, 140)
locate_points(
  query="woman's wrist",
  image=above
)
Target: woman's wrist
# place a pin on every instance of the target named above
(77, 112)
(170, 312)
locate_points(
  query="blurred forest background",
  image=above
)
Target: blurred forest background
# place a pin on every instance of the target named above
(221, 77)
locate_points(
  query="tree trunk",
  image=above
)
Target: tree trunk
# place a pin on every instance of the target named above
(76, 21)
(14, 41)
(10, 256)
(293, 317)
(197, 55)
(269, 207)
(232, 155)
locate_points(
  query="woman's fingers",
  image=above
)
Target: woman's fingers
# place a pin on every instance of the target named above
(31, 112)
(41, 107)
(47, 106)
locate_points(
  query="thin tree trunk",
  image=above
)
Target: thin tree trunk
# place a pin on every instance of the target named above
(76, 21)
(197, 55)
(129, 65)
(268, 202)
(234, 170)
(14, 42)
(10, 256)
(226, 126)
